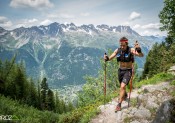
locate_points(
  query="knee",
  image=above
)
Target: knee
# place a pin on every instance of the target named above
(122, 87)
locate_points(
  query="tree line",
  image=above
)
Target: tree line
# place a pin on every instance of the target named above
(162, 56)
(15, 83)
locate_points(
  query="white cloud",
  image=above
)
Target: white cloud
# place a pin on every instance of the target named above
(126, 23)
(134, 16)
(46, 22)
(26, 23)
(151, 26)
(136, 26)
(85, 14)
(5, 23)
(3, 19)
(61, 17)
(38, 4)
(66, 16)
(52, 15)
(32, 20)
(149, 32)
(20, 25)
(149, 29)
(146, 32)
(155, 33)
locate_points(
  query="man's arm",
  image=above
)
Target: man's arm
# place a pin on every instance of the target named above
(111, 56)
(137, 52)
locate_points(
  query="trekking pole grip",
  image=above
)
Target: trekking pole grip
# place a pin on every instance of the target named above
(106, 57)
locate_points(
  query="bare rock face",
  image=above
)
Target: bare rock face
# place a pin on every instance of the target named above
(149, 104)
(172, 70)
(166, 112)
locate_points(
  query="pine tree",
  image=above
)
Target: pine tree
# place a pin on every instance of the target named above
(50, 101)
(32, 99)
(2, 83)
(153, 61)
(70, 106)
(57, 103)
(167, 19)
(39, 95)
(62, 107)
(44, 89)
(10, 87)
(159, 59)
(21, 83)
(8, 66)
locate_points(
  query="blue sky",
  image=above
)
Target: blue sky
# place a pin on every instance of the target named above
(140, 15)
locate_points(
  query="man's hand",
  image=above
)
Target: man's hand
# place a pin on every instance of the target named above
(137, 47)
(106, 58)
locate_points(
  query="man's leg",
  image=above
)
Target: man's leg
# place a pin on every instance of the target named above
(122, 92)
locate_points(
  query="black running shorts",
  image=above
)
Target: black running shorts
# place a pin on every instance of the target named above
(124, 75)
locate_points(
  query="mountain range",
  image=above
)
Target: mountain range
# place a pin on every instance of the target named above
(64, 53)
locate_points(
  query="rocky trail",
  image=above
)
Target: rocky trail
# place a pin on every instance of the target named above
(148, 104)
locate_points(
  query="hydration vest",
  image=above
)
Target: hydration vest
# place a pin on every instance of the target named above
(125, 56)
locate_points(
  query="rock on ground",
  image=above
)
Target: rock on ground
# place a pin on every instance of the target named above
(144, 104)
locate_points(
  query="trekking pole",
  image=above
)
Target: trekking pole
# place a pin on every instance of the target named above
(105, 82)
(131, 85)
(135, 45)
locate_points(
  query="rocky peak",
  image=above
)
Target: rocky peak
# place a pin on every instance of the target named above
(126, 29)
(103, 27)
(2, 30)
(89, 28)
(55, 29)
(72, 26)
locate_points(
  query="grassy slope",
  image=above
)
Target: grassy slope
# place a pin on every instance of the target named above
(160, 77)
(25, 114)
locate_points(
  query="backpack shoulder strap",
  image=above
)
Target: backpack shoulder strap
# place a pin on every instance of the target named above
(132, 56)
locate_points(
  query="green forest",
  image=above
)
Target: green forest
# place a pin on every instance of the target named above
(25, 100)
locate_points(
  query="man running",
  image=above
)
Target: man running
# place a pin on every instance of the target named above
(125, 57)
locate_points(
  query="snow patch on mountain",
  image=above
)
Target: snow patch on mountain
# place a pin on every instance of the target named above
(47, 46)
(21, 42)
(2, 33)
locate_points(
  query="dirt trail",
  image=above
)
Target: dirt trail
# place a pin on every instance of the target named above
(108, 114)
(145, 103)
